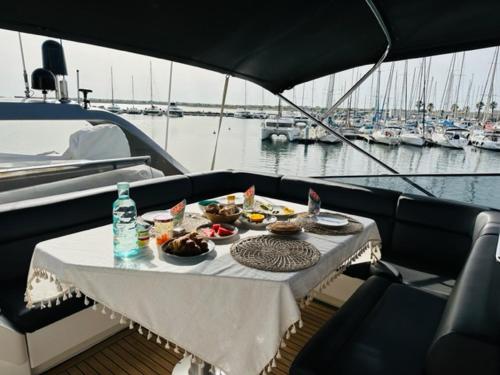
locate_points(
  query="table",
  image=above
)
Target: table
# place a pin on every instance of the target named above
(215, 310)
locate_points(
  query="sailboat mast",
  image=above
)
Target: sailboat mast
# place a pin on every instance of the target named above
(329, 95)
(455, 108)
(423, 95)
(151, 82)
(492, 83)
(112, 89)
(406, 90)
(245, 107)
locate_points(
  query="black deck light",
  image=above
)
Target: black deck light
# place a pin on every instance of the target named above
(43, 79)
(54, 61)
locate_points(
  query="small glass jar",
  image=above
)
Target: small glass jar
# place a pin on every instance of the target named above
(231, 199)
(143, 229)
(164, 228)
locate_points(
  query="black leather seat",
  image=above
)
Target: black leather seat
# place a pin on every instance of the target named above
(23, 319)
(385, 328)
(389, 328)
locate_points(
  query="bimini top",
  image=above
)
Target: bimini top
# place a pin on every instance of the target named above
(276, 44)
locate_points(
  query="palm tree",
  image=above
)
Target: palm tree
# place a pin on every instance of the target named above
(479, 107)
(493, 105)
(454, 109)
(466, 111)
(430, 107)
(419, 105)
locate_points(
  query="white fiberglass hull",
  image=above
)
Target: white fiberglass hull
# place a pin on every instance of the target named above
(290, 134)
(329, 138)
(386, 140)
(412, 139)
(487, 145)
(443, 141)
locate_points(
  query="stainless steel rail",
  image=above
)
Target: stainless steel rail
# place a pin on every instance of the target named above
(399, 175)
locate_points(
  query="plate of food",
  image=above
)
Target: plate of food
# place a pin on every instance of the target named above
(331, 220)
(275, 210)
(257, 220)
(220, 213)
(149, 217)
(191, 245)
(236, 199)
(284, 228)
(217, 232)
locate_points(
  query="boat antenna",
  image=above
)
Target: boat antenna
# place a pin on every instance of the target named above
(27, 91)
(224, 93)
(168, 104)
(348, 93)
(78, 86)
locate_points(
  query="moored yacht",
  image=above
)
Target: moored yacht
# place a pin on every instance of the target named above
(174, 110)
(387, 135)
(450, 136)
(280, 126)
(488, 140)
(412, 136)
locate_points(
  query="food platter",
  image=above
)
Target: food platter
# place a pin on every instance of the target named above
(202, 231)
(280, 211)
(269, 219)
(331, 220)
(284, 228)
(165, 247)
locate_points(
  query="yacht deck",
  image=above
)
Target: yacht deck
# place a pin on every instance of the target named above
(129, 353)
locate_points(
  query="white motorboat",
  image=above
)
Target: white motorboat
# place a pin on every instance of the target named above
(114, 109)
(133, 111)
(152, 111)
(174, 110)
(452, 137)
(243, 114)
(412, 136)
(389, 135)
(487, 140)
(365, 132)
(280, 126)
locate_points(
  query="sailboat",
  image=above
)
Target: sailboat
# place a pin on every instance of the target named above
(413, 135)
(113, 107)
(152, 110)
(133, 110)
(323, 135)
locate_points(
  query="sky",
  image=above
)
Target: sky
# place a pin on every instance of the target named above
(190, 84)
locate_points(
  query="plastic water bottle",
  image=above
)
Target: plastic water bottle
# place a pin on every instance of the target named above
(124, 223)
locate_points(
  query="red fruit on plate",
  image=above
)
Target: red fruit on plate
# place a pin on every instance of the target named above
(211, 233)
(223, 232)
(216, 227)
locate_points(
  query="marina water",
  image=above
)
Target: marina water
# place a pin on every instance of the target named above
(124, 223)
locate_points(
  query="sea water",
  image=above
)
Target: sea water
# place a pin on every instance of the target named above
(124, 223)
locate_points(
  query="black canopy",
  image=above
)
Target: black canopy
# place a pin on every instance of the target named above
(276, 44)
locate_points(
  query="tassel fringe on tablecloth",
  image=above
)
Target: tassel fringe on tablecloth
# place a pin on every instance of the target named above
(71, 291)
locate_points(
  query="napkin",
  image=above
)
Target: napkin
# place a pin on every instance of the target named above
(178, 212)
(249, 200)
(314, 203)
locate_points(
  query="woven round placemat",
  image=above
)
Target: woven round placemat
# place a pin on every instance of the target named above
(311, 226)
(275, 253)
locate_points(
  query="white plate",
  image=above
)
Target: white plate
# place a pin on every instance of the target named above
(238, 199)
(329, 221)
(227, 226)
(150, 216)
(268, 220)
(211, 248)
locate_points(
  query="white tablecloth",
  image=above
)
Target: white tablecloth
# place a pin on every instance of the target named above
(220, 311)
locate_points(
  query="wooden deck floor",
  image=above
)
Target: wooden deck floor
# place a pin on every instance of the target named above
(129, 353)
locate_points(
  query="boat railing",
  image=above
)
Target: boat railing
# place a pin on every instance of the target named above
(20, 176)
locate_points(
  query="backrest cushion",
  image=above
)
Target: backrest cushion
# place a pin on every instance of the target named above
(432, 234)
(378, 204)
(29, 222)
(468, 338)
